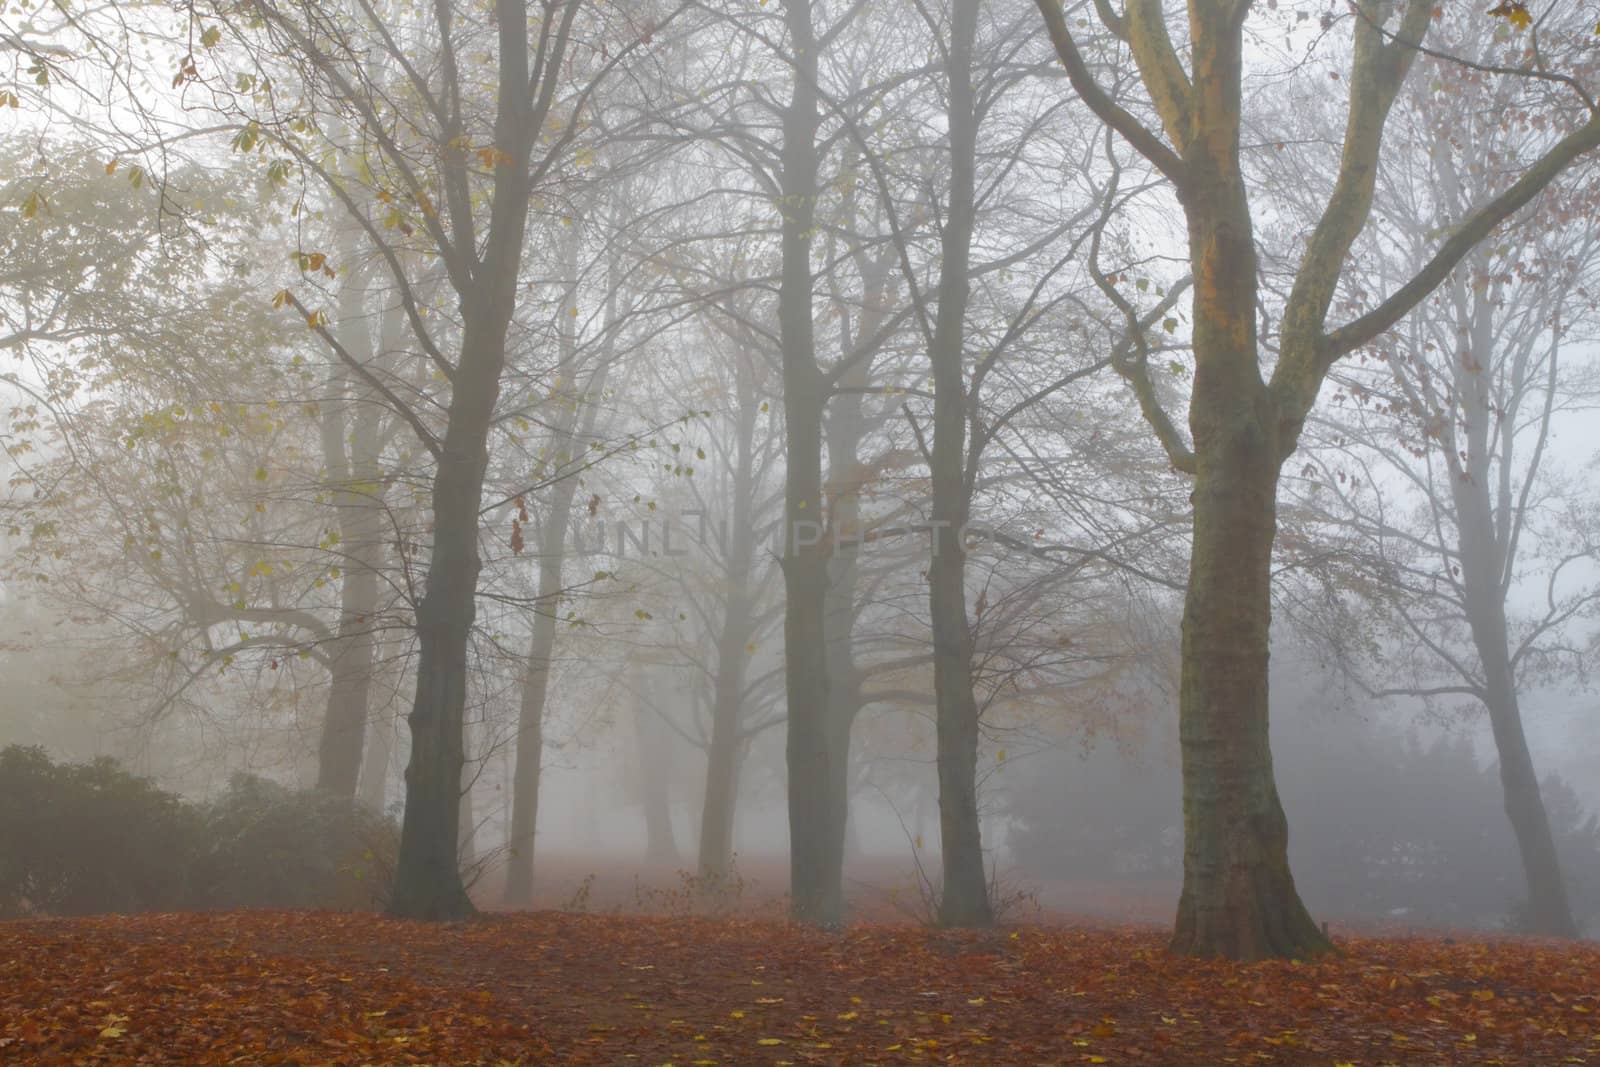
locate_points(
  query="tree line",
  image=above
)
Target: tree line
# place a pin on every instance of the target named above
(974, 333)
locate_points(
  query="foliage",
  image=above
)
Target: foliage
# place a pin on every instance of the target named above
(586, 989)
(265, 845)
(88, 837)
(77, 839)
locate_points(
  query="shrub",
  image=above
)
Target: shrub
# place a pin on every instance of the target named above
(77, 839)
(263, 845)
(89, 837)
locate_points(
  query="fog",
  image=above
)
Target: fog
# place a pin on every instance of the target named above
(851, 461)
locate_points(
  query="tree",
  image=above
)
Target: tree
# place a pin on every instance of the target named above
(460, 173)
(1239, 898)
(581, 376)
(1436, 479)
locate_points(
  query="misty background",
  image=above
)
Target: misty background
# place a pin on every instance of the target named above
(221, 391)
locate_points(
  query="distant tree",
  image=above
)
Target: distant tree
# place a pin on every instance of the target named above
(1436, 469)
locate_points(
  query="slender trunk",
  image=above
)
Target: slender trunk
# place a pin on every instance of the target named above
(1549, 910)
(574, 423)
(427, 883)
(352, 473)
(655, 788)
(722, 757)
(530, 717)
(467, 827)
(964, 898)
(733, 646)
(1485, 522)
(815, 869)
(345, 724)
(722, 789)
(427, 877)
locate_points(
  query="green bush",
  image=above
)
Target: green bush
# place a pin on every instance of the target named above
(77, 839)
(263, 845)
(89, 837)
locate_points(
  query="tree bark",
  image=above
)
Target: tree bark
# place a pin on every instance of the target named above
(427, 877)
(1239, 899)
(722, 790)
(964, 896)
(816, 871)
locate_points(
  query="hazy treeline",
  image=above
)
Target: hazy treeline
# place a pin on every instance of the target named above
(841, 409)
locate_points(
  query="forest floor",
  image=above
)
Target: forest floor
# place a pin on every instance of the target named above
(571, 988)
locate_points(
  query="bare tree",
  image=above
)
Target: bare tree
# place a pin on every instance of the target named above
(1239, 898)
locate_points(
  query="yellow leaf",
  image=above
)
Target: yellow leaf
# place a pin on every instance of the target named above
(769, 1041)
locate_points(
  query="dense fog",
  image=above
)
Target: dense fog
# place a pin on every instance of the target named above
(851, 460)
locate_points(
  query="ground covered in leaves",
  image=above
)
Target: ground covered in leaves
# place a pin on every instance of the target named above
(588, 989)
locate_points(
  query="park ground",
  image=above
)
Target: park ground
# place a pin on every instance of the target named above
(604, 986)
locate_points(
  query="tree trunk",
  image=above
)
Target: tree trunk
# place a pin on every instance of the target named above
(353, 474)
(1239, 899)
(574, 423)
(655, 787)
(964, 897)
(344, 727)
(530, 717)
(374, 790)
(467, 825)
(427, 878)
(1549, 910)
(722, 789)
(815, 862)
(733, 646)
(1484, 547)
(722, 757)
